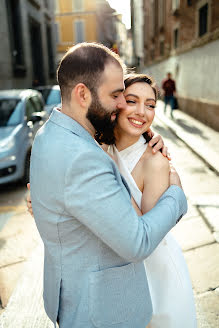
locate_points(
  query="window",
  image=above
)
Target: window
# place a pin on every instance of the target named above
(176, 38)
(79, 31)
(46, 4)
(10, 112)
(175, 4)
(54, 97)
(57, 6)
(57, 33)
(15, 34)
(78, 5)
(162, 48)
(152, 53)
(161, 13)
(50, 51)
(152, 18)
(203, 19)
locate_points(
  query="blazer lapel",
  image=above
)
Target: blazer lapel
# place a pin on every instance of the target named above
(125, 184)
(69, 123)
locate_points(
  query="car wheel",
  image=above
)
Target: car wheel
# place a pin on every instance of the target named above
(26, 176)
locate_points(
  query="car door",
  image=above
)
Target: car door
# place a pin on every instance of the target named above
(40, 108)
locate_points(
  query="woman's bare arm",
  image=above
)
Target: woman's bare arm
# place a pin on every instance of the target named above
(136, 208)
(156, 180)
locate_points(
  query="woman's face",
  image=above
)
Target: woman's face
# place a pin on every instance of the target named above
(138, 116)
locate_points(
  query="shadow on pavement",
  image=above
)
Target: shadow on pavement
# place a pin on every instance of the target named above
(2, 242)
(12, 194)
(165, 133)
(190, 128)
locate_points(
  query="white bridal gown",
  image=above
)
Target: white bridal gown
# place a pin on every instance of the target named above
(166, 269)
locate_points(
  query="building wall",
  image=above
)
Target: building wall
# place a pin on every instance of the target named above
(5, 58)
(66, 16)
(99, 23)
(24, 76)
(106, 24)
(192, 61)
(122, 42)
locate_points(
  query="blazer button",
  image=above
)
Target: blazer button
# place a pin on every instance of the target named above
(179, 219)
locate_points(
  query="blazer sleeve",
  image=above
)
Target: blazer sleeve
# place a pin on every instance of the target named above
(95, 197)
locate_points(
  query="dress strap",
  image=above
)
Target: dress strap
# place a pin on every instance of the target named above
(133, 153)
(126, 161)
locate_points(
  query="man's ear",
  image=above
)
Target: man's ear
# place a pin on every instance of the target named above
(82, 95)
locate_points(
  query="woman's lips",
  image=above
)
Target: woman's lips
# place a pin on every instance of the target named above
(136, 123)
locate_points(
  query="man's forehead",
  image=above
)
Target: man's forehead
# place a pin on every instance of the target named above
(113, 75)
(113, 71)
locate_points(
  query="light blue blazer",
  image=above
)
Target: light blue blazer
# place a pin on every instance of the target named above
(94, 241)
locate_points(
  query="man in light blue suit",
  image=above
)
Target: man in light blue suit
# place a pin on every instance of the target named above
(94, 241)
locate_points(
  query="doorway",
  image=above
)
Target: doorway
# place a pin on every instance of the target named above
(38, 77)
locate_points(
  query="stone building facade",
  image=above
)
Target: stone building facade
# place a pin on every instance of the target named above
(84, 21)
(182, 37)
(27, 47)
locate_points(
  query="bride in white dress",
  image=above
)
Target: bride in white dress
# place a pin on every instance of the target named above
(148, 177)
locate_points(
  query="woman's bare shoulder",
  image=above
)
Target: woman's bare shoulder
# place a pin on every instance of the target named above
(154, 161)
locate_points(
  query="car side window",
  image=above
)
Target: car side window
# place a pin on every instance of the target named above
(30, 108)
(38, 103)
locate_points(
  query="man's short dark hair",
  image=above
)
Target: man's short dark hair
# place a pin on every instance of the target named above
(84, 63)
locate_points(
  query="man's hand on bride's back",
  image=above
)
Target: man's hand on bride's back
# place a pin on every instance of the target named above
(28, 199)
(174, 177)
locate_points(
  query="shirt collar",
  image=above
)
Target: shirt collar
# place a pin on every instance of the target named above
(69, 123)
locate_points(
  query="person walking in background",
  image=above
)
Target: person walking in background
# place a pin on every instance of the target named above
(169, 88)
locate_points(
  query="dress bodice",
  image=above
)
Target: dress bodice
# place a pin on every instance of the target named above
(167, 273)
(126, 160)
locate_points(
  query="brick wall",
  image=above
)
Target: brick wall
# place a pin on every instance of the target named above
(37, 11)
(185, 19)
(193, 63)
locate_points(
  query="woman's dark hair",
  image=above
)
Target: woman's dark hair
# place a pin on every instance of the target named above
(134, 78)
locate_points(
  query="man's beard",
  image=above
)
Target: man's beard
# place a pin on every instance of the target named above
(100, 118)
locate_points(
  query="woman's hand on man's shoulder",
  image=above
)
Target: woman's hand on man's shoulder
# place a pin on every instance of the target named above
(155, 162)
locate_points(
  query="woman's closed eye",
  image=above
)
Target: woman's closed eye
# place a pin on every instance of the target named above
(150, 106)
(130, 101)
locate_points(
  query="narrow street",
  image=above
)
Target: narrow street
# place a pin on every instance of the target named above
(18, 238)
(197, 233)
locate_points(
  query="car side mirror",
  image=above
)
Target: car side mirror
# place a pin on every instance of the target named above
(36, 117)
